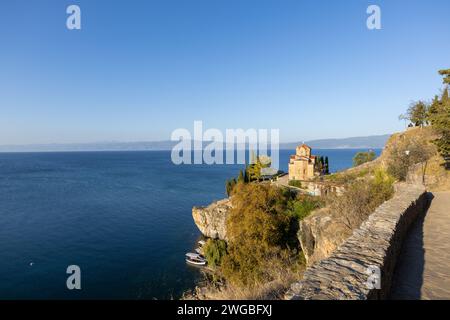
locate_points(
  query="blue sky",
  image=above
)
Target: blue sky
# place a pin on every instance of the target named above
(140, 69)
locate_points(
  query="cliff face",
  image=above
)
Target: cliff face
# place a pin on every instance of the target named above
(211, 220)
(320, 234)
(352, 270)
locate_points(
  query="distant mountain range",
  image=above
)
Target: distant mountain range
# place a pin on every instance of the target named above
(370, 142)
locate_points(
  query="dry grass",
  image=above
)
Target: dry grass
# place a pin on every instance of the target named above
(361, 198)
(272, 290)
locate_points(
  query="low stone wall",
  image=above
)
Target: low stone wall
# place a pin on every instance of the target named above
(374, 246)
(319, 188)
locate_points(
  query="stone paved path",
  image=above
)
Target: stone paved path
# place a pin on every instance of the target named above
(423, 270)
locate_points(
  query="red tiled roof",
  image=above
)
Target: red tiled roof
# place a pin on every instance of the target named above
(305, 145)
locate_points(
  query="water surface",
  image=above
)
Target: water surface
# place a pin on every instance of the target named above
(123, 217)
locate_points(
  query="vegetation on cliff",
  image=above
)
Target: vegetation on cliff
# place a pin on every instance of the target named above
(214, 251)
(405, 153)
(251, 173)
(258, 230)
(262, 243)
(363, 157)
(439, 117)
(361, 198)
(436, 114)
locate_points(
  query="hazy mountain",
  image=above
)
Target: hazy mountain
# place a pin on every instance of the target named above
(369, 142)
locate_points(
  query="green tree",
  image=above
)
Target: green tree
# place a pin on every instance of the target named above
(257, 228)
(445, 98)
(303, 205)
(439, 117)
(254, 169)
(403, 155)
(246, 179)
(241, 178)
(446, 74)
(417, 113)
(214, 251)
(363, 157)
(320, 164)
(327, 166)
(229, 186)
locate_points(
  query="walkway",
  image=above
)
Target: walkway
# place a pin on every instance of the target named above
(423, 269)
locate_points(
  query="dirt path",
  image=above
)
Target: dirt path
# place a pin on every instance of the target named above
(423, 270)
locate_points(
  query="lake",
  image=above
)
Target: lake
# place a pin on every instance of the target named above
(123, 217)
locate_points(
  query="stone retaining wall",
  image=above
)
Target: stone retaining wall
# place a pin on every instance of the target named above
(374, 246)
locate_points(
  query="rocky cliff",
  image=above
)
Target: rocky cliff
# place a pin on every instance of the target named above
(320, 234)
(211, 220)
(371, 250)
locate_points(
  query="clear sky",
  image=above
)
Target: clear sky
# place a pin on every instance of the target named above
(137, 70)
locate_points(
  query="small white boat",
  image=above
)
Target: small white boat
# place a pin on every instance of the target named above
(199, 250)
(195, 259)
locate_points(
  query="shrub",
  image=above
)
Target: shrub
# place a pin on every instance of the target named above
(214, 251)
(258, 229)
(363, 157)
(229, 186)
(347, 177)
(295, 183)
(405, 154)
(301, 207)
(439, 116)
(362, 197)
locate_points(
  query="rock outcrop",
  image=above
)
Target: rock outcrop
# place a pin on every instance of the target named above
(211, 220)
(352, 271)
(320, 234)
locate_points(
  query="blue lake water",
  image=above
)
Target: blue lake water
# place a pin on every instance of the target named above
(123, 217)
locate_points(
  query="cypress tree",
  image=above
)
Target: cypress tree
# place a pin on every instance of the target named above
(228, 187)
(445, 97)
(241, 178)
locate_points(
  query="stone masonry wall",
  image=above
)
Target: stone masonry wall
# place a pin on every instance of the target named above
(377, 243)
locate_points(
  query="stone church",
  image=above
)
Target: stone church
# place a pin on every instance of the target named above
(302, 165)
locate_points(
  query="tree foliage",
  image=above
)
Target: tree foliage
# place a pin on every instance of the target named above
(295, 183)
(405, 154)
(229, 185)
(258, 229)
(439, 117)
(363, 157)
(446, 74)
(254, 169)
(303, 205)
(417, 113)
(214, 251)
(362, 197)
(322, 165)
